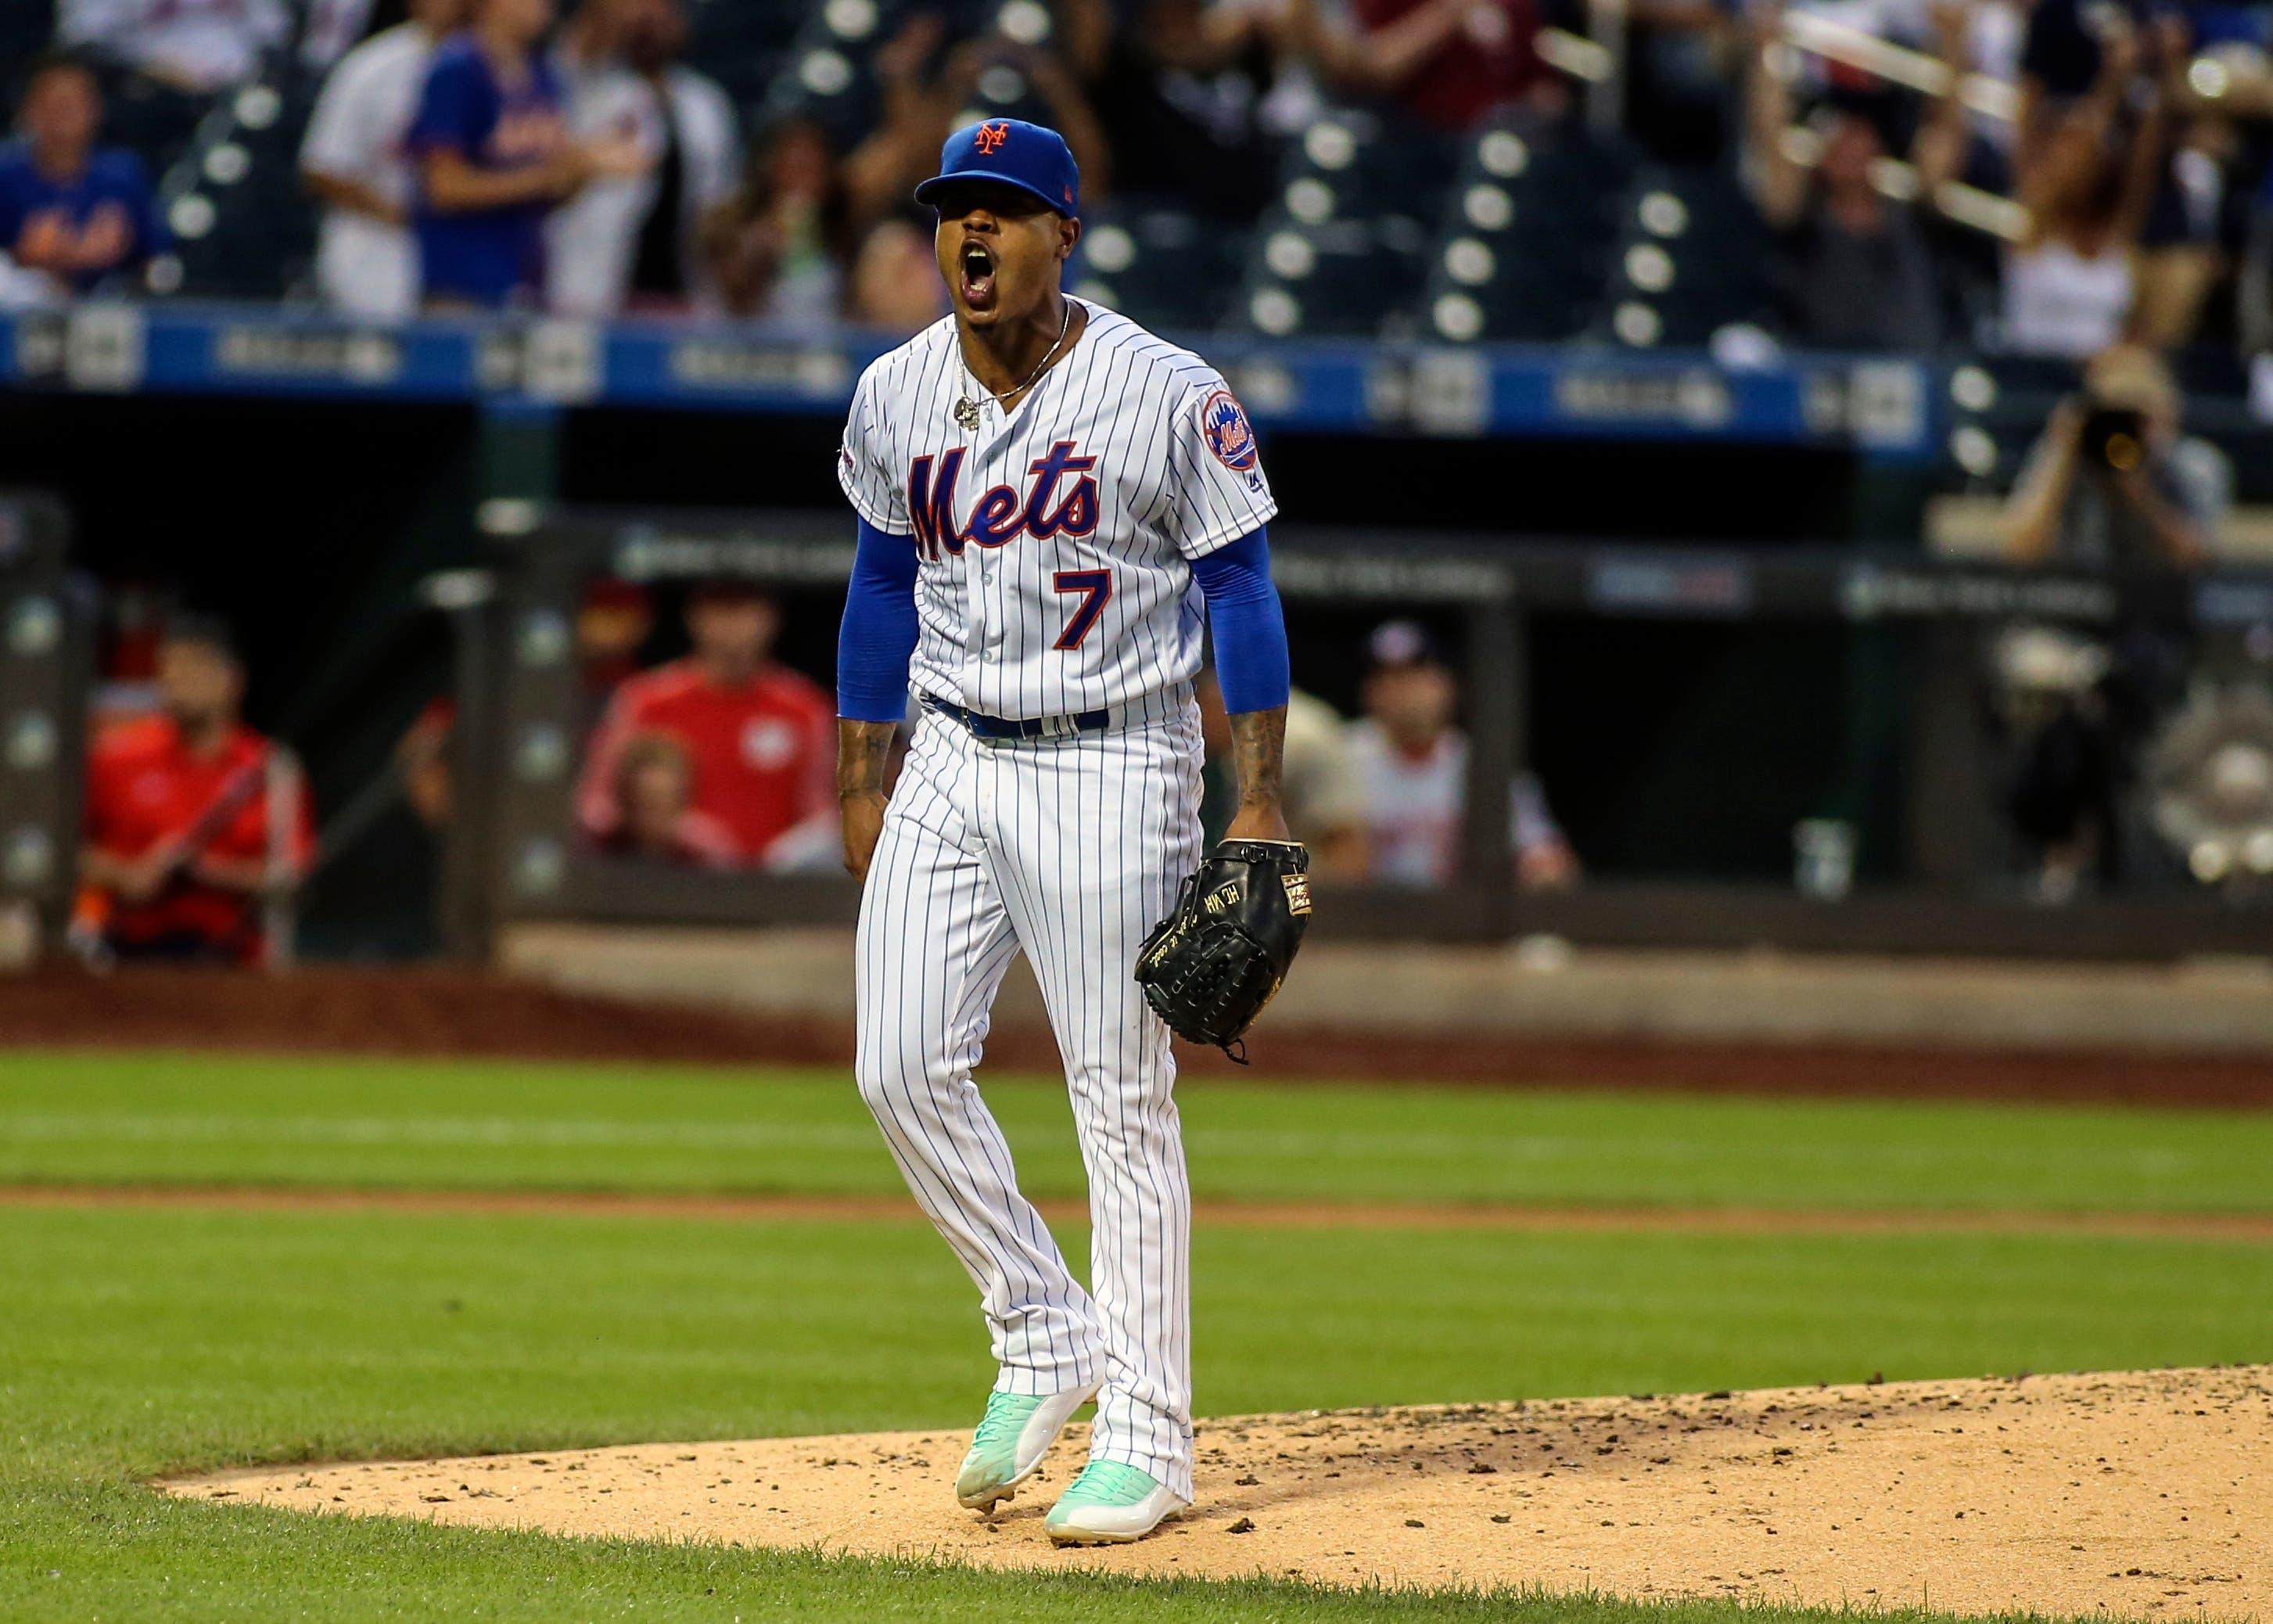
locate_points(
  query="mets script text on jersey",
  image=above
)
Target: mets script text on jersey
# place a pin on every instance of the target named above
(999, 515)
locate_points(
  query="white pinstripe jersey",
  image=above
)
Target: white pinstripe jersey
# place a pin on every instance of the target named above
(1055, 542)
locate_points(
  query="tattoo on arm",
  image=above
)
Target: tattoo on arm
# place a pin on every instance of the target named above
(862, 750)
(1258, 752)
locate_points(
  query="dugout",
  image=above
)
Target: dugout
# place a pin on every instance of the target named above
(1897, 620)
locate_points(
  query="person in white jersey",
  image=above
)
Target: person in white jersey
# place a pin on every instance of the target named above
(630, 242)
(1414, 764)
(354, 160)
(2069, 279)
(1050, 501)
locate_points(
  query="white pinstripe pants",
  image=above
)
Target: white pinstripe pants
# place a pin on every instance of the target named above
(1069, 850)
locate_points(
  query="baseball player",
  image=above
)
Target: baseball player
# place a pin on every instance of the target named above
(1048, 498)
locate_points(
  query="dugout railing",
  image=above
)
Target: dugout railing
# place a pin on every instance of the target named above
(516, 853)
(47, 623)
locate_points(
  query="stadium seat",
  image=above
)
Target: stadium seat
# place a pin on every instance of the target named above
(157, 121)
(1342, 279)
(1997, 406)
(243, 227)
(819, 62)
(1022, 22)
(1524, 234)
(743, 46)
(1160, 266)
(824, 73)
(1002, 90)
(1692, 258)
(1358, 165)
(1343, 253)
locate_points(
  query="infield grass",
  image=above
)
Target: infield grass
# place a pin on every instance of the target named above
(140, 1340)
(436, 1125)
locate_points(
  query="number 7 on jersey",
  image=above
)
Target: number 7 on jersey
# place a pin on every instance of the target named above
(1096, 589)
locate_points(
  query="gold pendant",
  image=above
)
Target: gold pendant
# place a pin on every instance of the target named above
(966, 413)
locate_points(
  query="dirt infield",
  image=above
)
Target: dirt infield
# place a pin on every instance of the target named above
(456, 1012)
(2143, 1495)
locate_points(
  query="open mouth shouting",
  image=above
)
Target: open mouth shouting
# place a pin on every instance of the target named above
(976, 264)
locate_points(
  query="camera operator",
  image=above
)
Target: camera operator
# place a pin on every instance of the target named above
(2110, 485)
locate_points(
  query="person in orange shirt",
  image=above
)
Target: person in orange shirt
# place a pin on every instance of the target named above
(179, 846)
(760, 740)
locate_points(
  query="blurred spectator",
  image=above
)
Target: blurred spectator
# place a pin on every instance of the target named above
(194, 45)
(1416, 767)
(902, 148)
(2068, 283)
(1857, 271)
(929, 87)
(356, 163)
(1995, 31)
(334, 27)
(1182, 90)
(655, 815)
(1050, 94)
(2054, 693)
(2193, 223)
(2183, 258)
(192, 817)
(1325, 794)
(773, 246)
(1449, 61)
(2065, 45)
(633, 242)
(894, 283)
(422, 755)
(761, 738)
(71, 214)
(1676, 97)
(494, 159)
(612, 624)
(2112, 482)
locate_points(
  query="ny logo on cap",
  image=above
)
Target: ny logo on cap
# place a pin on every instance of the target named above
(992, 136)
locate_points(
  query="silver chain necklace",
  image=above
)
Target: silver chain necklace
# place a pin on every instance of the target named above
(966, 410)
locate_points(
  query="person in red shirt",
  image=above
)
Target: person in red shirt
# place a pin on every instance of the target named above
(1448, 62)
(179, 846)
(760, 740)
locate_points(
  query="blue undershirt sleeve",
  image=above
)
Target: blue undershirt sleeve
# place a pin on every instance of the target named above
(1248, 623)
(877, 637)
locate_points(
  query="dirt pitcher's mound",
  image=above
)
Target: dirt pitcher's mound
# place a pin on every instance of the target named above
(2135, 1494)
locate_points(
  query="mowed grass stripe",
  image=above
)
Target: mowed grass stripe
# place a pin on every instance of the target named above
(142, 1341)
(2240, 1227)
(1363, 1141)
(268, 1120)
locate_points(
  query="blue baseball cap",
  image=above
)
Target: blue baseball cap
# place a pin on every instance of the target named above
(1009, 151)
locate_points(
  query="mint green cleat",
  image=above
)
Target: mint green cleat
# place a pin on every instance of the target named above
(1013, 1436)
(1110, 1503)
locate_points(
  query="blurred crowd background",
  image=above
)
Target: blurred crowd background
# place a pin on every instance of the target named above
(1878, 175)
(2065, 206)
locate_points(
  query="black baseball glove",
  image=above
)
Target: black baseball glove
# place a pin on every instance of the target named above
(1210, 966)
